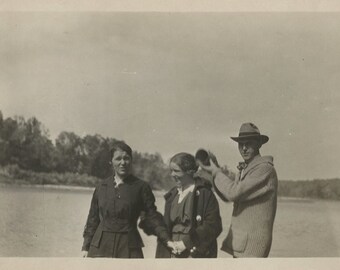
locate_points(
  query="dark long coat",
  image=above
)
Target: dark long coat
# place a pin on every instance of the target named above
(206, 222)
(117, 210)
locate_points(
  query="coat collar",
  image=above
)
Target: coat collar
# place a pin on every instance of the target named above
(199, 183)
(128, 180)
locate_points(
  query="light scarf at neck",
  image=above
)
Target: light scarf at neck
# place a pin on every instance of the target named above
(117, 180)
(183, 193)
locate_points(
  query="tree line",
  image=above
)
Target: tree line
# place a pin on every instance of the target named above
(25, 146)
(27, 154)
(317, 188)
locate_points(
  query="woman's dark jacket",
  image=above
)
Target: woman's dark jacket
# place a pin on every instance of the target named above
(206, 222)
(117, 209)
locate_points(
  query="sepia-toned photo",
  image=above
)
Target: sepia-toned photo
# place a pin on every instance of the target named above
(169, 135)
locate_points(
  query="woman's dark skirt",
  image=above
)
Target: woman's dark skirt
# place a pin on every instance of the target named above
(114, 245)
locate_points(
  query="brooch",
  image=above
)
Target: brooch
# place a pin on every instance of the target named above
(198, 218)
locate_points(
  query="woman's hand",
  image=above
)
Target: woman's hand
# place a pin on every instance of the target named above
(170, 244)
(180, 247)
(177, 247)
(84, 253)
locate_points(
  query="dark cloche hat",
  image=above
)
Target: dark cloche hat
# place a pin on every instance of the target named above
(250, 131)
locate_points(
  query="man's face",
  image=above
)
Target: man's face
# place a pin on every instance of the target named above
(121, 162)
(249, 149)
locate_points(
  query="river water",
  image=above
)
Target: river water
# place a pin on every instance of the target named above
(44, 222)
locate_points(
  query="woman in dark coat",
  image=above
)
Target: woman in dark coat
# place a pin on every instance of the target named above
(117, 203)
(191, 213)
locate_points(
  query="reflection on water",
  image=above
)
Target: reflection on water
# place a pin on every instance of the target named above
(38, 222)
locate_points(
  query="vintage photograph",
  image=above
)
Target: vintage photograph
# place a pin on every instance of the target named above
(169, 135)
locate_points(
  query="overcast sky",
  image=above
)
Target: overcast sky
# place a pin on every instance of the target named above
(173, 82)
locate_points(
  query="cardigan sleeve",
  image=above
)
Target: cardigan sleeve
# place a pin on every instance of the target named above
(92, 222)
(266, 188)
(255, 184)
(152, 221)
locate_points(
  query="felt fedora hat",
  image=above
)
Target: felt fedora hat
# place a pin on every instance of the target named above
(250, 131)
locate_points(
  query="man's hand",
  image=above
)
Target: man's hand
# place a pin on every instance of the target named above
(213, 168)
(84, 253)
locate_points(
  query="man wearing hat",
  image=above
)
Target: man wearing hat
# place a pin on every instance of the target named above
(254, 193)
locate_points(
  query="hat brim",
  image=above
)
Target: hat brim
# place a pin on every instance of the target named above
(263, 138)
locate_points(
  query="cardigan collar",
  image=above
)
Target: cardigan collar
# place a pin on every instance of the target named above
(256, 161)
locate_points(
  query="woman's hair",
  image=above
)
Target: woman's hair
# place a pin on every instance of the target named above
(120, 145)
(186, 162)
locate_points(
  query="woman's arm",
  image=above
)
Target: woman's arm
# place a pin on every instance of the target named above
(92, 222)
(152, 221)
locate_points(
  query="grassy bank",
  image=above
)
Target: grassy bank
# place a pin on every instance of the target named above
(13, 175)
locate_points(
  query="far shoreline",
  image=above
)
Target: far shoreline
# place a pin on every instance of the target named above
(156, 192)
(63, 187)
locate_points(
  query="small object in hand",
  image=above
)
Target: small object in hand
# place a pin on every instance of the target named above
(203, 156)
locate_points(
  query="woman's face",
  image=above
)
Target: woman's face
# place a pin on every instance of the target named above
(181, 178)
(121, 163)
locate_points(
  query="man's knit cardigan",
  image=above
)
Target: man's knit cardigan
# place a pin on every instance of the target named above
(255, 199)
